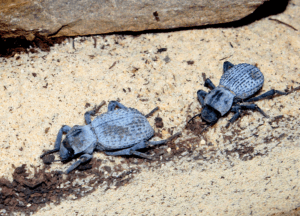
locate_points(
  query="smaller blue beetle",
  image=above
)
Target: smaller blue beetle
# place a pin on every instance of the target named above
(120, 131)
(237, 86)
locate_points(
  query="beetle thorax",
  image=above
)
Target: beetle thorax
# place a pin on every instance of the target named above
(220, 99)
(81, 138)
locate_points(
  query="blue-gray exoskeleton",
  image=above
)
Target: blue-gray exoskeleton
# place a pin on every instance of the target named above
(237, 86)
(120, 131)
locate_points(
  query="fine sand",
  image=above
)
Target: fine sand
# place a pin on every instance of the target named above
(249, 168)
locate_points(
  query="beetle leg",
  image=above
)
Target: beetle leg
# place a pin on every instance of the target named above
(253, 107)
(124, 151)
(208, 83)
(113, 104)
(140, 154)
(201, 95)
(141, 145)
(83, 158)
(128, 150)
(233, 119)
(64, 129)
(238, 108)
(227, 65)
(235, 109)
(151, 113)
(164, 141)
(152, 143)
(87, 115)
(267, 94)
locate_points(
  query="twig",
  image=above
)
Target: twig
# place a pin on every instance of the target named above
(288, 25)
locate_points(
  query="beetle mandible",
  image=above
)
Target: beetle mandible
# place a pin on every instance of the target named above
(237, 86)
(117, 132)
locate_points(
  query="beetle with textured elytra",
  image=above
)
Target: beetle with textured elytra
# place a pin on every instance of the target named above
(237, 86)
(120, 131)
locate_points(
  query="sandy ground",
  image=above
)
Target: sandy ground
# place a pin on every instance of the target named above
(251, 168)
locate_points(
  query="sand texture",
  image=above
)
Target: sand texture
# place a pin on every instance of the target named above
(249, 168)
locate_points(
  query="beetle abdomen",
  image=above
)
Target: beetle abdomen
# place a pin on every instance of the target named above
(121, 128)
(243, 79)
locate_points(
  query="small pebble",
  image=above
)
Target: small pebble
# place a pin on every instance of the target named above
(184, 153)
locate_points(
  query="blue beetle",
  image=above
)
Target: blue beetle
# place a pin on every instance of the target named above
(237, 86)
(117, 132)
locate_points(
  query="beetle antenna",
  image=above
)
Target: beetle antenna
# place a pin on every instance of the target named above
(151, 113)
(204, 129)
(194, 117)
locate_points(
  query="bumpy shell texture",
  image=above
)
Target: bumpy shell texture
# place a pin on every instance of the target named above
(122, 128)
(243, 79)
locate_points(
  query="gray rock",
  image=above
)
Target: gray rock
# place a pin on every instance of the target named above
(84, 17)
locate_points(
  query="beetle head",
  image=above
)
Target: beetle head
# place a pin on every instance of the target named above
(80, 139)
(72, 139)
(210, 115)
(66, 152)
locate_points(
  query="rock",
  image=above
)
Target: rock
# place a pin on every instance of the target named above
(85, 17)
(159, 122)
(48, 159)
